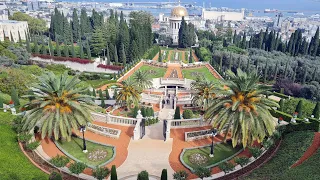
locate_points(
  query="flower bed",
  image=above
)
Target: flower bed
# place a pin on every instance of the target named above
(56, 58)
(116, 68)
(109, 132)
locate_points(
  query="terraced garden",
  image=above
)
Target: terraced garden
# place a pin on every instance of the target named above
(154, 72)
(194, 73)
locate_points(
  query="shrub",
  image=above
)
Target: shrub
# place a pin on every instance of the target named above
(143, 111)
(268, 143)
(226, 167)
(77, 167)
(164, 175)
(143, 175)
(242, 161)
(281, 104)
(14, 97)
(187, 114)
(111, 67)
(33, 145)
(1, 103)
(107, 94)
(24, 137)
(114, 175)
(55, 176)
(299, 109)
(255, 151)
(180, 175)
(56, 58)
(177, 113)
(100, 172)
(202, 172)
(316, 111)
(60, 161)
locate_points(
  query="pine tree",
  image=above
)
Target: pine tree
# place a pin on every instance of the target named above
(28, 43)
(260, 40)
(115, 93)
(299, 108)
(75, 25)
(316, 111)
(160, 55)
(88, 51)
(108, 55)
(97, 41)
(14, 97)
(115, 56)
(123, 35)
(103, 104)
(51, 48)
(85, 26)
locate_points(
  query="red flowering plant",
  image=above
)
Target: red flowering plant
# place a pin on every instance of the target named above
(295, 114)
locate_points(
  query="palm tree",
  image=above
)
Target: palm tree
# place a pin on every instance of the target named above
(129, 93)
(203, 93)
(142, 79)
(242, 109)
(58, 106)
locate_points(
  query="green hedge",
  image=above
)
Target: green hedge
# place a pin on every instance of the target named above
(280, 95)
(276, 113)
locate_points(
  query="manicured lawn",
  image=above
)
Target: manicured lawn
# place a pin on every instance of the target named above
(202, 72)
(154, 72)
(221, 152)
(74, 148)
(13, 163)
(96, 83)
(292, 148)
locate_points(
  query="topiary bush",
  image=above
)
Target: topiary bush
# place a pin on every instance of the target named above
(316, 111)
(202, 172)
(114, 175)
(100, 172)
(164, 174)
(255, 151)
(299, 109)
(180, 175)
(187, 114)
(143, 175)
(177, 113)
(226, 167)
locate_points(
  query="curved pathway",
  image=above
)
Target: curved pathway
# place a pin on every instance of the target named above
(310, 151)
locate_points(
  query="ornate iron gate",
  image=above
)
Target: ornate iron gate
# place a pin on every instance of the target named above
(164, 128)
(142, 128)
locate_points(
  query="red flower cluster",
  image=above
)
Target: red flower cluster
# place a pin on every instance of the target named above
(280, 118)
(116, 68)
(56, 58)
(11, 102)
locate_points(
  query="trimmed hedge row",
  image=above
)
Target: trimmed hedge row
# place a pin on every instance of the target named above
(300, 125)
(59, 58)
(117, 68)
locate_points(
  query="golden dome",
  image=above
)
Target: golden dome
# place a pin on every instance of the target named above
(179, 11)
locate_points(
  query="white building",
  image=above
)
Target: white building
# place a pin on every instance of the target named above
(175, 22)
(223, 15)
(8, 27)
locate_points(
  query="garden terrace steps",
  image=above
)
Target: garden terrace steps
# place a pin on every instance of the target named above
(310, 151)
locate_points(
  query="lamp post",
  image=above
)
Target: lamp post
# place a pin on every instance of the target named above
(214, 133)
(83, 129)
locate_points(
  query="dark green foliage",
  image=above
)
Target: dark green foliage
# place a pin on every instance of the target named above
(183, 34)
(143, 111)
(108, 55)
(43, 47)
(187, 114)
(180, 175)
(100, 172)
(114, 175)
(58, 49)
(115, 94)
(299, 109)
(28, 43)
(1, 103)
(226, 167)
(103, 104)
(24, 137)
(94, 94)
(134, 111)
(316, 111)
(164, 174)
(107, 94)
(281, 104)
(100, 94)
(177, 113)
(59, 161)
(77, 167)
(88, 50)
(33, 145)
(55, 176)
(14, 97)
(255, 151)
(160, 55)
(242, 161)
(143, 175)
(202, 172)
(115, 55)
(51, 53)
(36, 47)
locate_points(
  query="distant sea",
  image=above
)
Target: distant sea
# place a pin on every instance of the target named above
(292, 5)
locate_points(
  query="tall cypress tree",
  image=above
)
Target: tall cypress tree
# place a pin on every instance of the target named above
(124, 57)
(286, 69)
(235, 37)
(305, 76)
(276, 72)
(299, 108)
(160, 55)
(11, 37)
(75, 25)
(28, 43)
(315, 43)
(265, 73)
(65, 49)
(14, 97)
(115, 55)
(20, 41)
(190, 56)
(108, 55)
(43, 47)
(244, 40)
(316, 111)
(294, 74)
(314, 73)
(88, 50)
(51, 48)
(36, 48)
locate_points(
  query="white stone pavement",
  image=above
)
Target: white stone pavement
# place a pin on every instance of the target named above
(150, 153)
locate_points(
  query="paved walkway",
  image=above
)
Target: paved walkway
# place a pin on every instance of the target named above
(150, 153)
(133, 70)
(310, 151)
(213, 72)
(196, 59)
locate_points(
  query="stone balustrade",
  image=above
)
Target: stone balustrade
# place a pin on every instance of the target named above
(105, 131)
(170, 81)
(197, 135)
(124, 121)
(187, 123)
(99, 117)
